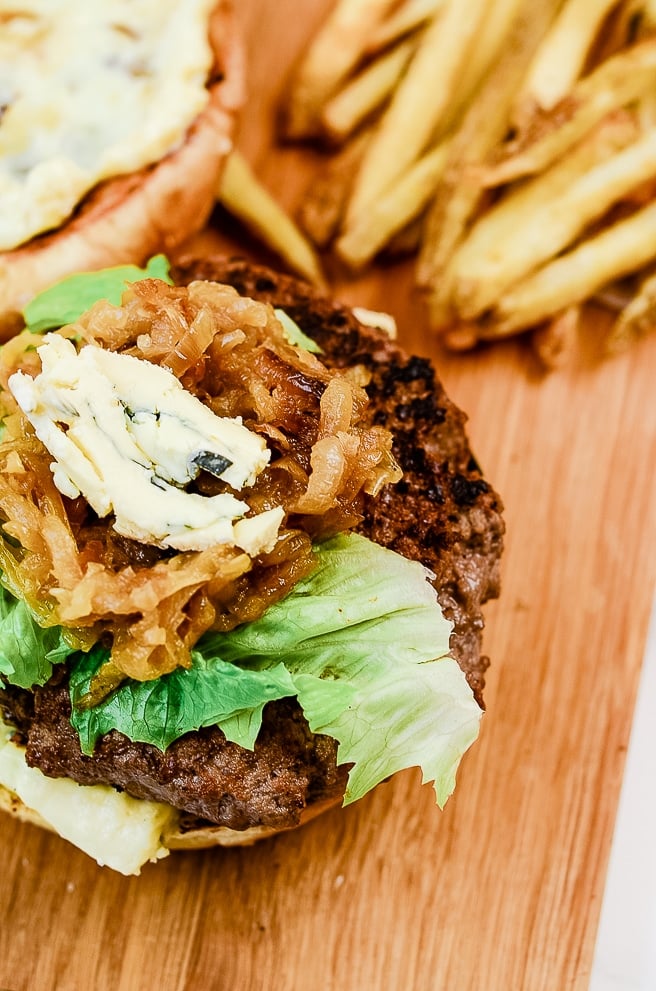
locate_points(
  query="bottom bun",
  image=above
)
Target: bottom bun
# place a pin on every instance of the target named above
(176, 836)
(177, 831)
(203, 837)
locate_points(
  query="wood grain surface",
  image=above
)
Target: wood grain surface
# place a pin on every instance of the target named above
(501, 891)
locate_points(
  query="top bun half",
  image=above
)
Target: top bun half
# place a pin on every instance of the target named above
(130, 217)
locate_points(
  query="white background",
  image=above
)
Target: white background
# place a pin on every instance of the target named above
(625, 957)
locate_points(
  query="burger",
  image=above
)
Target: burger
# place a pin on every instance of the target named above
(119, 154)
(244, 547)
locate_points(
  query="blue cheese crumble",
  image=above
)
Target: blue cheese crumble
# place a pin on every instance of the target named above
(127, 436)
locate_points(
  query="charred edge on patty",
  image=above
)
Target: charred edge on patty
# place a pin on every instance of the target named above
(442, 513)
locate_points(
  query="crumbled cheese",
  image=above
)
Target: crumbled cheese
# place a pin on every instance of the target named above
(126, 435)
(88, 91)
(377, 319)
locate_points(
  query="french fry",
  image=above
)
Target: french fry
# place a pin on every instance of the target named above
(617, 82)
(636, 319)
(545, 215)
(624, 25)
(555, 342)
(363, 94)
(625, 247)
(646, 109)
(324, 203)
(241, 193)
(493, 31)
(411, 119)
(402, 21)
(498, 142)
(493, 35)
(483, 126)
(649, 13)
(561, 56)
(333, 53)
(407, 240)
(392, 211)
(462, 337)
(614, 296)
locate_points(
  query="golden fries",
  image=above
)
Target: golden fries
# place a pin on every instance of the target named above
(403, 20)
(510, 145)
(335, 50)
(636, 319)
(494, 33)
(411, 119)
(391, 212)
(555, 342)
(560, 58)
(545, 215)
(342, 115)
(325, 199)
(244, 196)
(616, 83)
(483, 125)
(624, 247)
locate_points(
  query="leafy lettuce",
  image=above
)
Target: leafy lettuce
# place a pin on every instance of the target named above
(295, 335)
(361, 643)
(27, 652)
(67, 300)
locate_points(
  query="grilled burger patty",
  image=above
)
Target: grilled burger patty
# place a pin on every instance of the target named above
(442, 513)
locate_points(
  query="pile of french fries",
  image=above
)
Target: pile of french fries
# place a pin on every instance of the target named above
(511, 145)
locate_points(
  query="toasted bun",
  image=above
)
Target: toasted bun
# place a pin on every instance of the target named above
(177, 836)
(203, 837)
(131, 217)
(12, 804)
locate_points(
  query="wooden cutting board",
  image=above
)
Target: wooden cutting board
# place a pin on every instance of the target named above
(502, 890)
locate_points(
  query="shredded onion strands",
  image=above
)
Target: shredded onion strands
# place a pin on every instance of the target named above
(152, 606)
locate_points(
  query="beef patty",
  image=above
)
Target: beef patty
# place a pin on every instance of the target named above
(442, 513)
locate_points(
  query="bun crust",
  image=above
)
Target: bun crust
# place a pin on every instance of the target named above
(178, 837)
(131, 217)
(203, 837)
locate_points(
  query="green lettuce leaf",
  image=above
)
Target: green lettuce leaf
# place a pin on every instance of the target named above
(295, 335)
(27, 651)
(369, 619)
(67, 300)
(363, 644)
(212, 692)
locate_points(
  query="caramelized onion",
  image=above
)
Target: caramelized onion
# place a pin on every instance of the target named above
(76, 571)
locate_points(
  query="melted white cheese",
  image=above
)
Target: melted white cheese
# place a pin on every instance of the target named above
(377, 319)
(91, 89)
(115, 829)
(126, 435)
